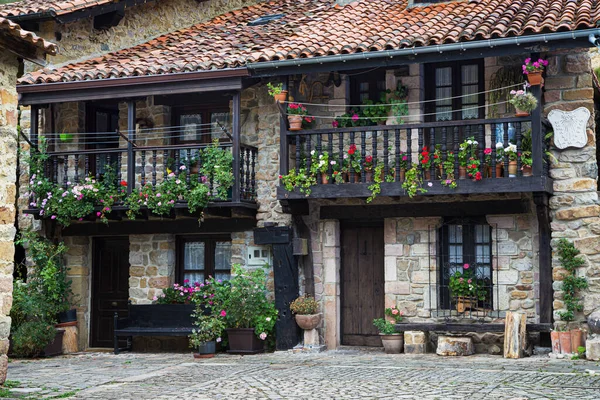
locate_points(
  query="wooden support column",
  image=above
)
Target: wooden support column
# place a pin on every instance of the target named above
(35, 125)
(283, 143)
(545, 257)
(130, 154)
(237, 109)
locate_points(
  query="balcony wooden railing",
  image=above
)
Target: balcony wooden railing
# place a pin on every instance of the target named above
(150, 165)
(392, 146)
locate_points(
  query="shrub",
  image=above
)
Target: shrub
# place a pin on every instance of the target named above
(30, 338)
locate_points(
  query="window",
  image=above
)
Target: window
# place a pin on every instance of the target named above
(102, 125)
(201, 257)
(200, 124)
(465, 242)
(367, 86)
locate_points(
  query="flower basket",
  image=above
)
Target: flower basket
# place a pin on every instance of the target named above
(521, 113)
(295, 122)
(535, 78)
(464, 303)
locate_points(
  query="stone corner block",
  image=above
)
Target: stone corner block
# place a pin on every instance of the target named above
(455, 346)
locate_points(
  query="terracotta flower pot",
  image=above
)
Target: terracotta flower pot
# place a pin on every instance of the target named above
(521, 113)
(392, 344)
(308, 321)
(555, 338)
(527, 171)
(498, 170)
(357, 177)
(427, 175)
(295, 122)
(402, 174)
(464, 303)
(535, 78)
(462, 172)
(345, 177)
(565, 342)
(281, 96)
(324, 179)
(512, 169)
(576, 339)
(369, 176)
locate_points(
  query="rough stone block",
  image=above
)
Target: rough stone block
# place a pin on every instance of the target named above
(397, 288)
(391, 270)
(592, 349)
(579, 212)
(415, 342)
(455, 346)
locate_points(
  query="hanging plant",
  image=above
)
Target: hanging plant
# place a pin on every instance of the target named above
(413, 183)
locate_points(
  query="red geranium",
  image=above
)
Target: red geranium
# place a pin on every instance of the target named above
(123, 183)
(352, 149)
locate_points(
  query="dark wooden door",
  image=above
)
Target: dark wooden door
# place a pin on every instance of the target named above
(362, 275)
(110, 288)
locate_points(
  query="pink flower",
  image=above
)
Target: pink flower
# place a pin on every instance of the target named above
(466, 266)
(395, 311)
(186, 281)
(155, 298)
(218, 340)
(470, 281)
(262, 336)
(53, 217)
(98, 214)
(158, 195)
(487, 151)
(461, 280)
(335, 124)
(223, 313)
(354, 118)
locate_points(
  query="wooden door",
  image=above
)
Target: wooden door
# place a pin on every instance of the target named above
(110, 288)
(362, 275)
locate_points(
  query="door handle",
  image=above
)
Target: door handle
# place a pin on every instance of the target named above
(114, 304)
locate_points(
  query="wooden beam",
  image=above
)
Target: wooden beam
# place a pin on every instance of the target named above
(545, 257)
(450, 209)
(159, 225)
(530, 184)
(295, 207)
(22, 48)
(272, 235)
(130, 141)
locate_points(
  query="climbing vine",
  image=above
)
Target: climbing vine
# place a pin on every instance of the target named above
(569, 257)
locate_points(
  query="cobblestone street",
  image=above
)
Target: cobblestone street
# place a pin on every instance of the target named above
(332, 375)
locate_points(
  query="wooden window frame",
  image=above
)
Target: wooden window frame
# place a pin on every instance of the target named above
(205, 110)
(468, 253)
(209, 254)
(372, 77)
(430, 107)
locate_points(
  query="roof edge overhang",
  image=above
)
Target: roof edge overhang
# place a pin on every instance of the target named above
(432, 53)
(137, 86)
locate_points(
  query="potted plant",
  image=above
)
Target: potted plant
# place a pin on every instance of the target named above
(511, 152)
(448, 170)
(368, 168)
(467, 152)
(320, 165)
(524, 102)
(533, 70)
(277, 92)
(217, 167)
(376, 113)
(249, 313)
(298, 180)
(306, 311)
(209, 319)
(466, 289)
(296, 113)
(413, 183)
(350, 119)
(488, 160)
(392, 341)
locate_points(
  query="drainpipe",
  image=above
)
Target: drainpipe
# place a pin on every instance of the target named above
(593, 36)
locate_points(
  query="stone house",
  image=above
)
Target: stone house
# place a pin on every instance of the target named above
(16, 44)
(149, 99)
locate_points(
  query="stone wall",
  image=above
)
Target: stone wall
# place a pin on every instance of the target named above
(574, 207)
(151, 266)
(80, 41)
(8, 176)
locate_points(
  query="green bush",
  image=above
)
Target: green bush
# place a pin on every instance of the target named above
(30, 338)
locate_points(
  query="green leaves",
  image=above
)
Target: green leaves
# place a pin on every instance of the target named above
(568, 255)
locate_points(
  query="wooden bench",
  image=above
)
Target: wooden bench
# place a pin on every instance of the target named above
(153, 320)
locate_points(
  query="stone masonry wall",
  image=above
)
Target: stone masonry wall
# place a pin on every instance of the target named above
(574, 207)
(78, 260)
(8, 148)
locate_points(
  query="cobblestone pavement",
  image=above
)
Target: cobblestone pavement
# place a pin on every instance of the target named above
(346, 374)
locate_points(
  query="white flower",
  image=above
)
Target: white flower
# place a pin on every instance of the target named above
(333, 163)
(312, 152)
(499, 145)
(320, 155)
(469, 142)
(475, 142)
(430, 184)
(268, 319)
(218, 340)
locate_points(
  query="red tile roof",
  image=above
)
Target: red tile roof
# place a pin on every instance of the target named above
(10, 28)
(312, 28)
(50, 7)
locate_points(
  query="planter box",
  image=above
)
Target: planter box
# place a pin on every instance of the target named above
(244, 341)
(67, 316)
(54, 348)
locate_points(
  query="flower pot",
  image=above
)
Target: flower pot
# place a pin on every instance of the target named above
(527, 171)
(324, 179)
(308, 321)
(67, 316)
(295, 122)
(518, 113)
(565, 342)
(54, 348)
(462, 172)
(464, 303)
(244, 341)
(369, 176)
(345, 177)
(555, 338)
(357, 177)
(535, 78)
(498, 170)
(206, 350)
(512, 169)
(194, 169)
(280, 97)
(576, 339)
(392, 344)
(427, 175)
(402, 174)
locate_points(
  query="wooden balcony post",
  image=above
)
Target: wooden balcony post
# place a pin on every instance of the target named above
(284, 157)
(130, 153)
(35, 126)
(537, 141)
(237, 109)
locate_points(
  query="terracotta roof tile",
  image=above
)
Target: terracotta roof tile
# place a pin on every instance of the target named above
(53, 7)
(313, 28)
(10, 28)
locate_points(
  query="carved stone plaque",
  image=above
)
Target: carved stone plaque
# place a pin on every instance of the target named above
(569, 127)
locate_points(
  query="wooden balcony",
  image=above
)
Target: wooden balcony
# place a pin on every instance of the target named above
(391, 146)
(135, 167)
